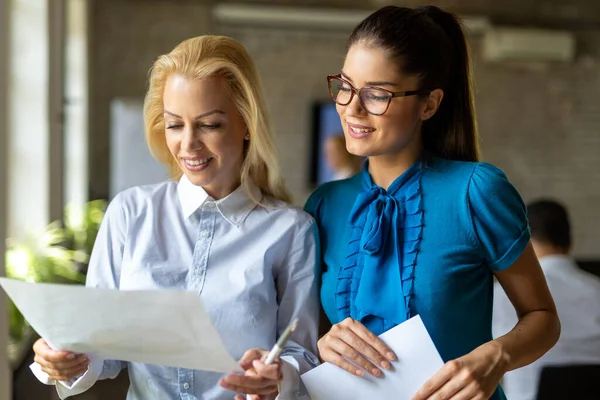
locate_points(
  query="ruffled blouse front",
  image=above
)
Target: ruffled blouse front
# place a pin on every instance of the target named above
(375, 283)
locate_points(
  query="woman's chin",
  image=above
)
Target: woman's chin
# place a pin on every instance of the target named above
(199, 178)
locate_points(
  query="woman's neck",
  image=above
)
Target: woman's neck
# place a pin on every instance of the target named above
(385, 168)
(219, 192)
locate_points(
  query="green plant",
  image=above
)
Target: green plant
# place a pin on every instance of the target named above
(81, 226)
(59, 255)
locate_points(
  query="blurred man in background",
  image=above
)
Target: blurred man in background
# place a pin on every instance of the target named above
(575, 292)
(343, 164)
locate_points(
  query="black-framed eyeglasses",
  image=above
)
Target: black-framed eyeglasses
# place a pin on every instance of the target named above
(374, 100)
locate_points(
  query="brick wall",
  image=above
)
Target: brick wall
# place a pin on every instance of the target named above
(540, 123)
(126, 38)
(294, 65)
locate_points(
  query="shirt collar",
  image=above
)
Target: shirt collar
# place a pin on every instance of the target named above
(235, 208)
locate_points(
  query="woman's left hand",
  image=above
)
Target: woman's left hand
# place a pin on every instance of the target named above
(261, 381)
(474, 376)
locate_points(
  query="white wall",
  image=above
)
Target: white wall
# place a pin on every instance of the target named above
(76, 104)
(5, 373)
(28, 183)
(131, 163)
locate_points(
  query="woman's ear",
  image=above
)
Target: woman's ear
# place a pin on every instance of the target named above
(432, 104)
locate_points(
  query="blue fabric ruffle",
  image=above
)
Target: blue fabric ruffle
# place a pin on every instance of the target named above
(375, 284)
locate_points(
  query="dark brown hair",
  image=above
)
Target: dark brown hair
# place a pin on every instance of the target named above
(431, 43)
(549, 223)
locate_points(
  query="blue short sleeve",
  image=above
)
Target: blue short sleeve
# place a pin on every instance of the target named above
(499, 216)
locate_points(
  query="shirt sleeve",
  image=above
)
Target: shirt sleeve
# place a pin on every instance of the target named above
(298, 298)
(103, 272)
(498, 215)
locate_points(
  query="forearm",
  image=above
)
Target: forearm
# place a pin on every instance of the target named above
(534, 334)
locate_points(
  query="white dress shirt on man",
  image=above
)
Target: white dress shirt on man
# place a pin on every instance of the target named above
(577, 297)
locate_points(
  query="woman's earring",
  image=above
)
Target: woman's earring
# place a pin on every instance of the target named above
(247, 137)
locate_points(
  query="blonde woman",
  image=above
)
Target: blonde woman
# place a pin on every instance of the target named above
(221, 228)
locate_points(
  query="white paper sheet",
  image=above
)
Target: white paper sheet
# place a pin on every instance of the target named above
(160, 327)
(418, 360)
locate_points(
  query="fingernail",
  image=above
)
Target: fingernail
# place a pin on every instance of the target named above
(376, 371)
(391, 356)
(385, 364)
(255, 363)
(71, 356)
(359, 372)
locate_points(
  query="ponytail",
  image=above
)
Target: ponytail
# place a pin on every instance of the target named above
(456, 115)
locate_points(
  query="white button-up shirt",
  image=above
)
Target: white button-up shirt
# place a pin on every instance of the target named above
(253, 266)
(577, 297)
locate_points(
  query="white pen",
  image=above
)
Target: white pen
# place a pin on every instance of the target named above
(278, 348)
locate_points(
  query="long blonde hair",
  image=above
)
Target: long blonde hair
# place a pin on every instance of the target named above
(209, 56)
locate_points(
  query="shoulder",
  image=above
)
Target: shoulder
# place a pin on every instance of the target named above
(333, 193)
(489, 176)
(449, 182)
(139, 199)
(564, 269)
(477, 178)
(284, 214)
(489, 184)
(147, 192)
(462, 170)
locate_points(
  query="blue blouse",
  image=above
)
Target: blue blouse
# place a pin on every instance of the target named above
(428, 245)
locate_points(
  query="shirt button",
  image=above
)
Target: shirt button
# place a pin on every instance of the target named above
(205, 233)
(186, 386)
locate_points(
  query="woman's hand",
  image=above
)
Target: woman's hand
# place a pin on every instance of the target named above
(261, 381)
(59, 365)
(474, 376)
(351, 340)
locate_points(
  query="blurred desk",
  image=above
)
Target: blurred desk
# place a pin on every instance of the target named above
(591, 266)
(577, 382)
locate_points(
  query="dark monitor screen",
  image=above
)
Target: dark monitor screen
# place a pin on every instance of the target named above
(326, 123)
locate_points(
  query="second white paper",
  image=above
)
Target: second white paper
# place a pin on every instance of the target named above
(418, 360)
(161, 327)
